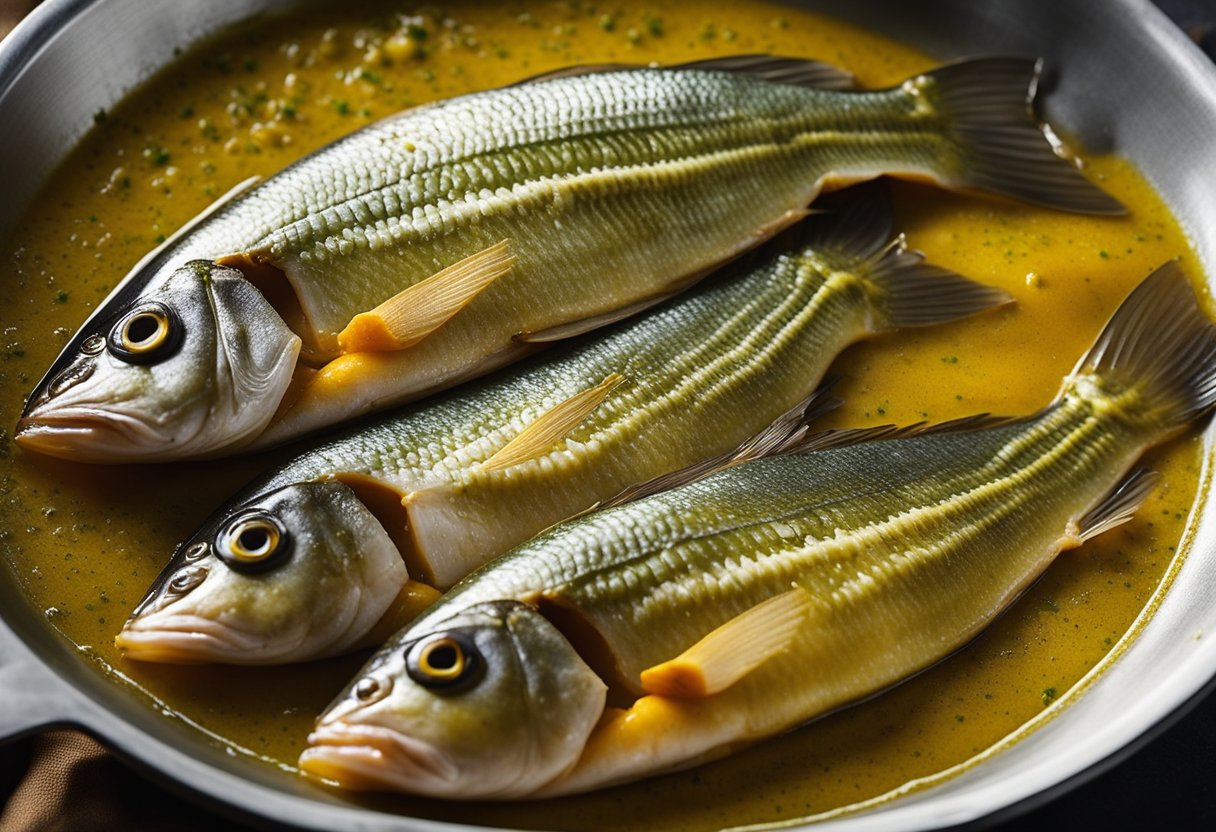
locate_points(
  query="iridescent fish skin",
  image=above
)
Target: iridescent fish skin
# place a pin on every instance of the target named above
(452, 483)
(748, 602)
(561, 205)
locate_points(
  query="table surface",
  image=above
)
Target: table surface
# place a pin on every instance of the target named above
(1165, 782)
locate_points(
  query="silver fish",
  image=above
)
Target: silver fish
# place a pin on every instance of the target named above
(454, 238)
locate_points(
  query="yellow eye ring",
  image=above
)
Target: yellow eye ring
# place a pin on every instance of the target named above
(144, 331)
(148, 334)
(252, 542)
(442, 659)
(444, 663)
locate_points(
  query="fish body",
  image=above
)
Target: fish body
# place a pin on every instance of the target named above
(454, 238)
(454, 482)
(746, 603)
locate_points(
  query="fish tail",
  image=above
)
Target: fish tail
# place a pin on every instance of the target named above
(987, 105)
(855, 226)
(1160, 342)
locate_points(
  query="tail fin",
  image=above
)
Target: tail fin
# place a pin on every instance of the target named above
(988, 106)
(1160, 338)
(855, 225)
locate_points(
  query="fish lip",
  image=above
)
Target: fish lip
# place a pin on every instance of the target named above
(83, 433)
(375, 758)
(185, 639)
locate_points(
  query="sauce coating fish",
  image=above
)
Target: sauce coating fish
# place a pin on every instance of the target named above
(352, 539)
(454, 238)
(665, 632)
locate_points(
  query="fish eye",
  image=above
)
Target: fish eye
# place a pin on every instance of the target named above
(369, 689)
(148, 333)
(252, 541)
(187, 580)
(446, 662)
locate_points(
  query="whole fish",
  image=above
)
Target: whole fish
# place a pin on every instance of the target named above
(454, 238)
(665, 632)
(352, 539)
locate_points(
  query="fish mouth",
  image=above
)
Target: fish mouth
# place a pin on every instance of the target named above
(85, 434)
(187, 639)
(375, 758)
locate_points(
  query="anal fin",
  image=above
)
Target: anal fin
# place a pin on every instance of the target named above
(571, 329)
(731, 651)
(539, 437)
(1117, 507)
(414, 313)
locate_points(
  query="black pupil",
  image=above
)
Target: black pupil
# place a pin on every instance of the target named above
(442, 657)
(254, 539)
(142, 328)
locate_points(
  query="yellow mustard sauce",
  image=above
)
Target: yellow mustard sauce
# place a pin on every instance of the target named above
(85, 542)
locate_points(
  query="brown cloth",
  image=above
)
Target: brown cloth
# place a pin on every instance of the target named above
(73, 784)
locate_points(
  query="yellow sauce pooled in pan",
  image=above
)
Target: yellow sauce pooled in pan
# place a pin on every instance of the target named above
(85, 542)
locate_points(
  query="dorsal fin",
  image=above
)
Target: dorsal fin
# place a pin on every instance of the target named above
(839, 437)
(731, 651)
(539, 437)
(414, 313)
(800, 72)
(787, 430)
(779, 69)
(1118, 506)
(789, 435)
(855, 223)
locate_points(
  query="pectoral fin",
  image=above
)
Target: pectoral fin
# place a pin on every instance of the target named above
(570, 329)
(539, 437)
(732, 651)
(414, 313)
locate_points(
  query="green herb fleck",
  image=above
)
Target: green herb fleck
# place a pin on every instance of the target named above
(186, 112)
(341, 107)
(1104, 254)
(61, 296)
(100, 116)
(157, 156)
(370, 77)
(949, 359)
(607, 22)
(1048, 695)
(415, 31)
(654, 25)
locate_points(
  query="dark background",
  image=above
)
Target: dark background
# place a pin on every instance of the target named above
(1167, 781)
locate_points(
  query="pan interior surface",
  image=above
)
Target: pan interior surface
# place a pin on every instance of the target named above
(1158, 122)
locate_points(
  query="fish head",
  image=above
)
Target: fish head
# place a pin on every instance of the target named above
(300, 573)
(491, 702)
(196, 365)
